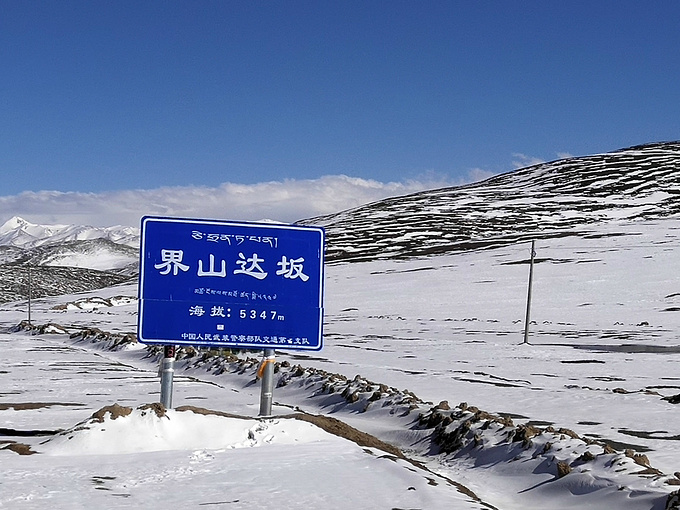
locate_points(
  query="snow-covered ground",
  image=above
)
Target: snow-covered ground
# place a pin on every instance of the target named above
(603, 361)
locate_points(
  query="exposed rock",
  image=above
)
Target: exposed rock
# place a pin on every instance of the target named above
(563, 469)
(524, 433)
(673, 501)
(608, 450)
(675, 399)
(586, 457)
(156, 407)
(569, 433)
(638, 458)
(443, 405)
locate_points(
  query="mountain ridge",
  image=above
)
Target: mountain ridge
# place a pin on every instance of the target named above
(22, 233)
(552, 199)
(64, 258)
(556, 199)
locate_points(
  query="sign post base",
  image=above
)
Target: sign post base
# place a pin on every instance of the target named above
(267, 374)
(167, 371)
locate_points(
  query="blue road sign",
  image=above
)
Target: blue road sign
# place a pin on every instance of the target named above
(230, 284)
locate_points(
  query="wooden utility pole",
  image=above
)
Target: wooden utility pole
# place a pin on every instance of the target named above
(30, 295)
(531, 278)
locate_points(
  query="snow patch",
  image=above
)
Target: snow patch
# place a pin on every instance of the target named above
(145, 429)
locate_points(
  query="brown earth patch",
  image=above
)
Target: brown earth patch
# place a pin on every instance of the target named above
(330, 425)
(20, 448)
(341, 429)
(27, 406)
(115, 410)
(156, 407)
(210, 412)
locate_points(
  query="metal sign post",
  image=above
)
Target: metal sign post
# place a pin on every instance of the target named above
(229, 284)
(266, 373)
(167, 371)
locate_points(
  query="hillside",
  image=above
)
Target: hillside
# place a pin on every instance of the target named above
(53, 281)
(64, 258)
(549, 200)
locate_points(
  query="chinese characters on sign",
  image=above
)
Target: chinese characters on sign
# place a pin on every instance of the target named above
(206, 282)
(171, 260)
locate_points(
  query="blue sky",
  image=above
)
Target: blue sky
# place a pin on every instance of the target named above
(99, 96)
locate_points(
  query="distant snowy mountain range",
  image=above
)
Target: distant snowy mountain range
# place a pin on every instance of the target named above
(564, 197)
(64, 258)
(23, 234)
(110, 248)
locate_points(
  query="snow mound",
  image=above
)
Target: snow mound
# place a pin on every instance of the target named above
(150, 428)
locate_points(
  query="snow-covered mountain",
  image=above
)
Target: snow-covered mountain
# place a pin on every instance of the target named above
(64, 258)
(100, 254)
(105, 249)
(549, 200)
(556, 199)
(23, 234)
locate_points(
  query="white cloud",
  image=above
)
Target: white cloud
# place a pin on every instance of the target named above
(564, 155)
(479, 174)
(522, 160)
(285, 201)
